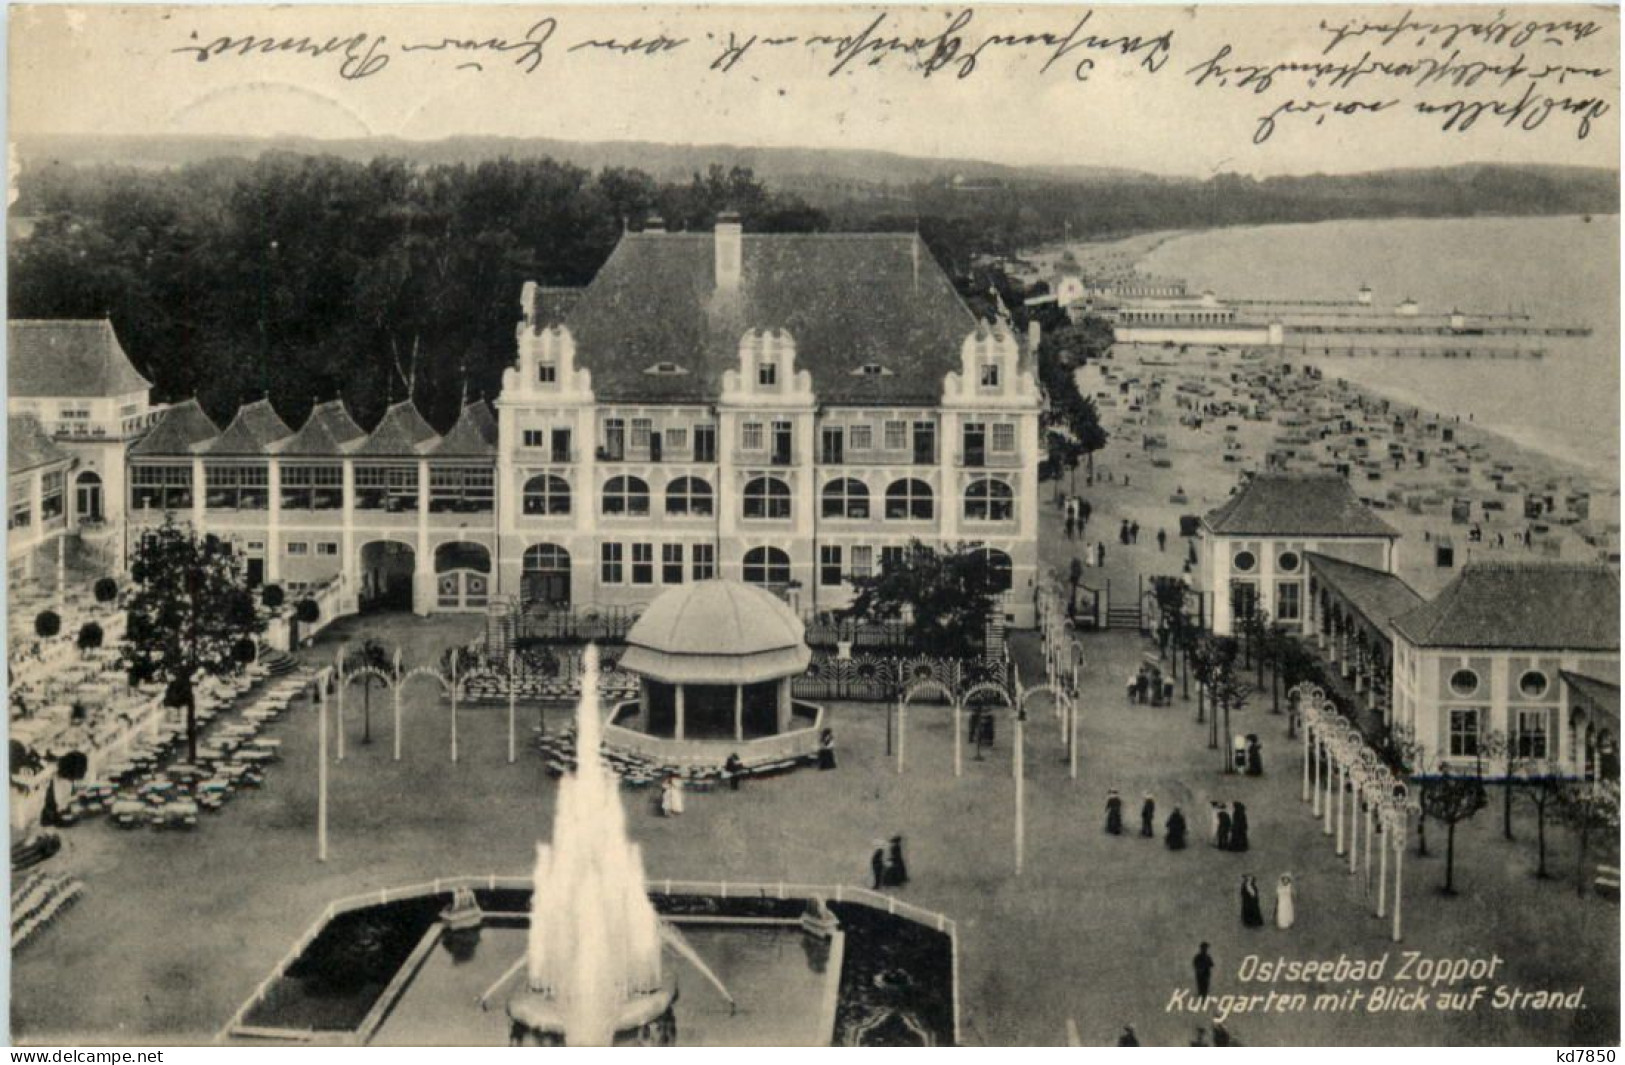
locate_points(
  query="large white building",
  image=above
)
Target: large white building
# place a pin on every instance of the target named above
(788, 410)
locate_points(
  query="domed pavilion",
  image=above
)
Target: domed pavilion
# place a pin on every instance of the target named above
(716, 659)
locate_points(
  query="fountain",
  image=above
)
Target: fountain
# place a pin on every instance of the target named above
(593, 960)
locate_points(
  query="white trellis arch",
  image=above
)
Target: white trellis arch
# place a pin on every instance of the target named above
(1067, 710)
(923, 686)
(448, 689)
(345, 679)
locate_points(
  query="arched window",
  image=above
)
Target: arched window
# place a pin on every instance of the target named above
(1000, 567)
(766, 565)
(547, 494)
(689, 495)
(546, 558)
(626, 495)
(767, 498)
(989, 501)
(909, 500)
(846, 498)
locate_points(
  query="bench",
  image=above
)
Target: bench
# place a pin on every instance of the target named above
(1607, 881)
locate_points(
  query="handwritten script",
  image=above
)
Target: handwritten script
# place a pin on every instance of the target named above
(1508, 72)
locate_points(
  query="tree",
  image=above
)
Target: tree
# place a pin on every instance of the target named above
(189, 614)
(1496, 745)
(1541, 787)
(106, 590)
(1453, 797)
(1588, 807)
(947, 597)
(1226, 690)
(47, 623)
(272, 597)
(90, 636)
(1402, 750)
(369, 656)
(1294, 664)
(307, 612)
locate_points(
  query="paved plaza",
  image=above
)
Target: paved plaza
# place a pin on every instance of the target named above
(1099, 930)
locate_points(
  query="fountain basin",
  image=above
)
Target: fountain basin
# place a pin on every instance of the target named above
(645, 1020)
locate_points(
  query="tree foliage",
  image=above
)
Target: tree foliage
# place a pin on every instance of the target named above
(187, 614)
(947, 598)
(1453, 796)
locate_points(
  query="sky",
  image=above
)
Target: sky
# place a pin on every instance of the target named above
(1160, 89)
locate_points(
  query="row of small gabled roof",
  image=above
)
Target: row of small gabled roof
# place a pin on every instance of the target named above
(330, 431)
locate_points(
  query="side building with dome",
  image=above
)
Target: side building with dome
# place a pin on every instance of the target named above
(786, 410)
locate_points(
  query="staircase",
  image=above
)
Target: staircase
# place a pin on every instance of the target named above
(501, 623)
(278, 663)
(1123, 617)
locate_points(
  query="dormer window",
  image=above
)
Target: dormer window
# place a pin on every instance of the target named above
(767, 373)
(990, 375)
(665, 369)
(546, 373)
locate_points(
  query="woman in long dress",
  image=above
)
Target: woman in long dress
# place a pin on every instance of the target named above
(1174, 831)
(1238, 827)
(1286, 910)
(1226, 826)
(1114, 814)
(1252, 913)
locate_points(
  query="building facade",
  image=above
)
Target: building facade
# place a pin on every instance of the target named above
(1253, 548)
(787, 410)
(1518, 650)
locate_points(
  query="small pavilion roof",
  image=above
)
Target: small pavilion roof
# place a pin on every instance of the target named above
(329, 431)
(29, 446)
(474, 435)
(1525, 606)
(183, 429)
(1296, 504)
(717, 632)
(254, 431)
(68, 357)
(401, 432)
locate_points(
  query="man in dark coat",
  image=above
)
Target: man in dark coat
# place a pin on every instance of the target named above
(1255, 757)
(896, 868)
(877, 864)
(1224, 828)
(1238, 828)
(1202, 965)
(1148, 817)
(733, 768)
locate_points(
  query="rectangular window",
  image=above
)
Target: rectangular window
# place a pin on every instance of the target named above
(861, 437)
(676, 440)
(614, 439)
(750, 436)
(925, 443)
(703, 558)
(1289, 601)
(21, 515)
(767, 373)
(313, 487)
(461, 489)
(889, 557)
(389, 488)
(863, 562)
(233, 487)
(671, 563)
(546, 373)
(327, 547)
(896, 436)
(643, 563)
(611, 556)
(990, 375)
(1531, 734)
(1464, 733)
(641, 428)
(298, 547)
(51, 493)
(161, 487)
(705, 443)
(1004, 436)
(533, 437)
(829, 565)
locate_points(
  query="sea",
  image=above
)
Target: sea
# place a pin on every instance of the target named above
(1563, 271)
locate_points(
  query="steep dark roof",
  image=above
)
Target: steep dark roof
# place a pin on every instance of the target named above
(179, 431)
(847, 300)
(484, 419)
(402, 431)
(68, 358)
(467, 438)
(1544, 606)
(1378, 596)
(1296, 504)
(28, 446)
(252, 432)
(326, 432)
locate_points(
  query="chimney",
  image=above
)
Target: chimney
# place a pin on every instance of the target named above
(730, 241)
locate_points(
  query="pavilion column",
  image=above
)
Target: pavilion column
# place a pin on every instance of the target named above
(739, 713)
(677, 731)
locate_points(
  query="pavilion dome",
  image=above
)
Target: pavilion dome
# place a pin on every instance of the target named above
(717, 632)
